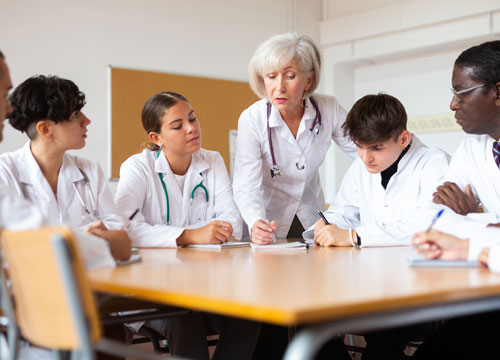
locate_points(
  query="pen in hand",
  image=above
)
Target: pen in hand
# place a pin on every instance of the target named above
(125, 225)
(322, 216)
(440, 212)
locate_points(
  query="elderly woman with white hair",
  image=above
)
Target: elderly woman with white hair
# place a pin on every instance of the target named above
(283, 139)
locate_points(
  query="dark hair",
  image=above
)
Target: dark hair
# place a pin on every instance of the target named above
(153, 111)
(2, 56)
(375, 118)
(484, 60)
(43, 98)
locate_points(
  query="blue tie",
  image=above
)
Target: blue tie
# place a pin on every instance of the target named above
(496, 153)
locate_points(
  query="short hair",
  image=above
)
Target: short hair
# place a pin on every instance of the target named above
(484, 60)
(375, 118)
(280, 50)
(2, 56)
(153, 111)
(43, 98)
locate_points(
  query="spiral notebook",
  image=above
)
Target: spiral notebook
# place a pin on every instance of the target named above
(226, 245)
(417, 262)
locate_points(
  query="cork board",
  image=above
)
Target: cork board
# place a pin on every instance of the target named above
(217, 103)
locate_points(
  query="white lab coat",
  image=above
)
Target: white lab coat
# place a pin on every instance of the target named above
(20, 172)
(295, 192)
(473, 163)
(140, 188)
(385, 217)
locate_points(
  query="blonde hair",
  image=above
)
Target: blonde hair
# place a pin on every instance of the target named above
(279, 51)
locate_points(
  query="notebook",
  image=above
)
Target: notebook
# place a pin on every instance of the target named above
(289, 246)
(131, 260)
(226, 245)
(417, 262)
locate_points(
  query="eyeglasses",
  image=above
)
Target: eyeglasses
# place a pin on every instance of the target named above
(456, 94)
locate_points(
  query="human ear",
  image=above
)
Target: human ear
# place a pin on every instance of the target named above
(155, 138)
(405, 138)
(309, 80)
(44, 128)
(496, 88)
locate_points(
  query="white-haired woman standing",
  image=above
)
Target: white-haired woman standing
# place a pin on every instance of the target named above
(283, 139)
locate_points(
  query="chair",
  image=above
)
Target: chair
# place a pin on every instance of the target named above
(54, 304)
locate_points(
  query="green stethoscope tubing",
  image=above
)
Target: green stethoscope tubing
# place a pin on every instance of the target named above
(200, 185)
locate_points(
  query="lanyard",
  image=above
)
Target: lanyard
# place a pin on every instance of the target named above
(200, 185)
(316, 126)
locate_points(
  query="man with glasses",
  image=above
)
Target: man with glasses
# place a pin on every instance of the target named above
(473, 177)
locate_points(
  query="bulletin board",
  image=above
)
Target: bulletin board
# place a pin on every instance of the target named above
(217, 103)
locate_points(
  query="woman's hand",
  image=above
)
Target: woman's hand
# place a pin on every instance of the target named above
(216, 232)
(98, 224)
(437, 245)
(331, 235)
(118, 240)
(261, 232)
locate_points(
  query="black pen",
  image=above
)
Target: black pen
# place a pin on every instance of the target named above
(130, 219)
(323, 217)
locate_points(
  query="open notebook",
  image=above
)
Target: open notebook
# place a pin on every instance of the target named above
(226, 245)
(297, 245)
(419, 262)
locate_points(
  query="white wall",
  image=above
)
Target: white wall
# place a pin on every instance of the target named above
(80, 39)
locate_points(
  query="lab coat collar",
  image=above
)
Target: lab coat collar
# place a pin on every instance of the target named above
(198, 163)
(415, 143)
(34, 175)
(276, 120)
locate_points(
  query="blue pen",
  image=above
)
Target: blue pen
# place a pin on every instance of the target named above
(440, 212)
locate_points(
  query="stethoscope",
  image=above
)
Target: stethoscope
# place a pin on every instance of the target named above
(316, 127)
(200, 185)
(80, 197)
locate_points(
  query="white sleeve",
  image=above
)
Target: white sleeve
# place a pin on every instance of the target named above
(17, 213)
(457, 171)
(494, 259)
(224, 207)
(247, 182)
(483, 238)
(131, 194)
(94, 250)
(344, 211)
(343, 142)
(400, 232)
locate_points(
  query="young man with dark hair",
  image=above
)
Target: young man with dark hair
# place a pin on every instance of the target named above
(393, 177)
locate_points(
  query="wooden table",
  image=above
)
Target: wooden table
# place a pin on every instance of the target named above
(335, 289)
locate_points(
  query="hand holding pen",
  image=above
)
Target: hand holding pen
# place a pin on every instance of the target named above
(263, 233)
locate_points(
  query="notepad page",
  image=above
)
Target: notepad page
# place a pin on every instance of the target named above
(442, 263)
(226, 245)
(281, 246)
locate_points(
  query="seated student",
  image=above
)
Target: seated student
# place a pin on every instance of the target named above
(473, 175)
(470, 337)
(394, 176)
(184, 196)
(67, 189)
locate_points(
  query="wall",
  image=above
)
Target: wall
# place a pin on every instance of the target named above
(80, 39)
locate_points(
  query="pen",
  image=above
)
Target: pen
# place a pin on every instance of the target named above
(130, 219)
(274, 237)
(440, 212)
(321, 215)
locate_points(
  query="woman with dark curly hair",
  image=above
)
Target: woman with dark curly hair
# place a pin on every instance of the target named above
(67, 189)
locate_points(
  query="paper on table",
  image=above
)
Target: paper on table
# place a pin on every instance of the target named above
(280, 247)
(131, 260)
(226, 245)
(417, 262)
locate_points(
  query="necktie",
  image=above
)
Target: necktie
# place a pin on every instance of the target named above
(496, 153)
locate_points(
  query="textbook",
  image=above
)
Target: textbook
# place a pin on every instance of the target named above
(226, 245)
(418, 262)
(288, 246)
